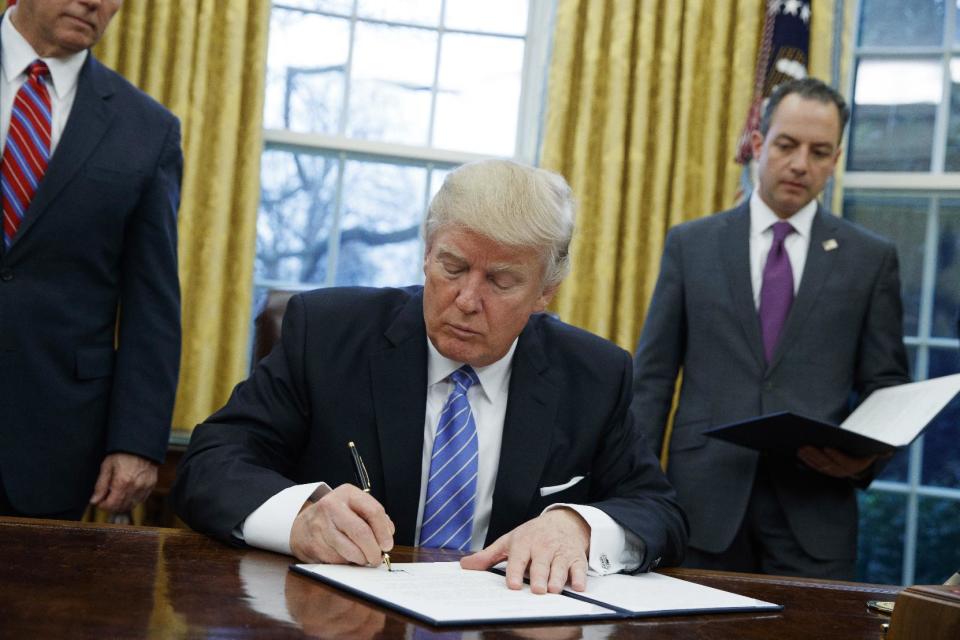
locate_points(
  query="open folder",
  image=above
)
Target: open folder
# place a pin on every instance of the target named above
(442, 594)
(888, 419)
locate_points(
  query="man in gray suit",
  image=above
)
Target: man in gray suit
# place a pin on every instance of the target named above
(776, 305)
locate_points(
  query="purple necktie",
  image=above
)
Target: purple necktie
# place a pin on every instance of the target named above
(776, 292)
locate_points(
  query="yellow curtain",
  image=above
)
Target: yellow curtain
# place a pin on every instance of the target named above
(206, 61)
(646, 101)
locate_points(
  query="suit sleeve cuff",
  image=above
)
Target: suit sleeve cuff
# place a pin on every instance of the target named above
(269, 526)
(613, 549)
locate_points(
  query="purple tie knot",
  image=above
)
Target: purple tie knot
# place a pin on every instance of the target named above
(781, 230)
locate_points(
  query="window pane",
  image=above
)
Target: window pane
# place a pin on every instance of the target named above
(952, 160)
(382, 213)
(297, 204)
(499, 16)
(895, 105)
(393, 69)
(306, 68)
(343, 7)
(946, 294)
(938, 539)
(901, 23)
(425, 12)
(941, 446)
(479, 94)
(880, 550)
(903, 219)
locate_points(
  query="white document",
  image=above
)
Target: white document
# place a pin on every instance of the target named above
(896, 415)
(657, 594)
(443, 594)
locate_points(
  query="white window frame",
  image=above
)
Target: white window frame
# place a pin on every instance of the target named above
(935, 184)
(529, 119)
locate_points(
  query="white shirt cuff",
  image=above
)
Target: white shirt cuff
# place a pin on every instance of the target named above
(269, 526)
(612, 548)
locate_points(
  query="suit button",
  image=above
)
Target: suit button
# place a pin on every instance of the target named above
(6, 274)
(768, 386)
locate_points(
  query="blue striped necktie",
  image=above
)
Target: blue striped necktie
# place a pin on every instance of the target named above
(452, 484)
(27, 149)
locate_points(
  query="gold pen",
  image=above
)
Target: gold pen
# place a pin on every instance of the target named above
(364, 481)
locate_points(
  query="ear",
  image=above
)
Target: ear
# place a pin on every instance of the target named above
(836, 158)
(756, 143)
(545, 297)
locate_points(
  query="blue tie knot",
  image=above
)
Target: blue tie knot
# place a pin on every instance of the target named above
(465, 377)
(781, 230)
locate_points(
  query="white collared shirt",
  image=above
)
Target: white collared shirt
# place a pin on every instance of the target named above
(762, 219)
(15, 57)
(612, 548)
(488, 403)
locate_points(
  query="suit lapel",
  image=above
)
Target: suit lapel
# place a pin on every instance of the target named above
(735, 256)
(89, 120)
(818, 266)
(399, 398)
(527, 433)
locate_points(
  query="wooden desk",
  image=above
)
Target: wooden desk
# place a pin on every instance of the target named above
(112, 581)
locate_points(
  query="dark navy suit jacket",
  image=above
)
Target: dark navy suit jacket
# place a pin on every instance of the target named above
(90, 300)
(352, 365)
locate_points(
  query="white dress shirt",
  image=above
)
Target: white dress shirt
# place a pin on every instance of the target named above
(612, 548)
(16, 56)
(762, 219)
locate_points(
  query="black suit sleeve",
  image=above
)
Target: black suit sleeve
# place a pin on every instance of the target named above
(148, 354)
(243, 454)
(631, 488)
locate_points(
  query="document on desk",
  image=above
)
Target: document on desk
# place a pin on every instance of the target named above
(442, 593)
(890, 418)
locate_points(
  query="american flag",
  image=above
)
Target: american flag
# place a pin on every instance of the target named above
(782, 56)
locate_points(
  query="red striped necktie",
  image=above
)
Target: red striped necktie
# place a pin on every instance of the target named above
(27, 149)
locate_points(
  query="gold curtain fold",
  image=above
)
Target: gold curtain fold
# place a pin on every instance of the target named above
(206, 61)
(646, 101)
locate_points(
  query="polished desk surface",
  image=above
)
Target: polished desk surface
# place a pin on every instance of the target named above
(112, 581)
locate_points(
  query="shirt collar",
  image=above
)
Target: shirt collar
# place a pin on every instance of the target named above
(491, 377)
(17, 55)
(762, 216)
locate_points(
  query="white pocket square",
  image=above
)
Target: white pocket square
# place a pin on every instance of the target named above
(557, 488)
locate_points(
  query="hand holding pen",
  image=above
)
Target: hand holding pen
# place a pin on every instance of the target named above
(364, 479)
(346, 525)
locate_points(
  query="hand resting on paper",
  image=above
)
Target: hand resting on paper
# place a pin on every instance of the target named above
(834, 463)
(345, 526)
(552, 546)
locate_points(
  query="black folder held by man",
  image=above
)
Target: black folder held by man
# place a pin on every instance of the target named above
(889, 419)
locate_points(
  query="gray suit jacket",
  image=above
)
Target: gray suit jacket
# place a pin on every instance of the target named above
(842, 340)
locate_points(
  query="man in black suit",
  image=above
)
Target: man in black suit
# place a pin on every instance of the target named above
(747, 346)
(548, 404)
(89, 296)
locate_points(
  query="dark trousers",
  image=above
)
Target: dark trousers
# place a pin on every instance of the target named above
(766, 544)
(7, 509)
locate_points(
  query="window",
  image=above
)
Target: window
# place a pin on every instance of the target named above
(369, 103)
(903, 181)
